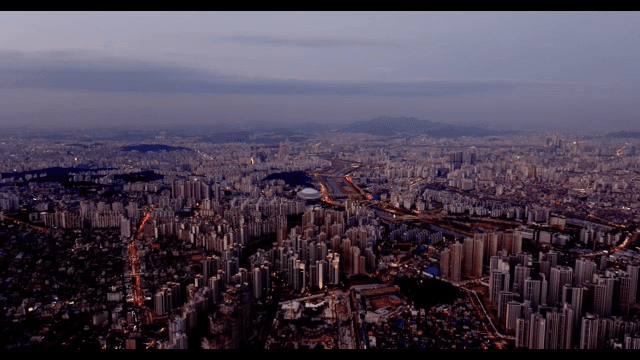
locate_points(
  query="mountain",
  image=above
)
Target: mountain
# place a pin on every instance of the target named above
(274, 131)
(624, 134)
(387, 126)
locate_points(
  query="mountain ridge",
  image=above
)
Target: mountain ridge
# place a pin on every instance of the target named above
(386, 125)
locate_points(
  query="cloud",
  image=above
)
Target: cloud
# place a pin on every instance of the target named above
(309, 42)
(65, 72)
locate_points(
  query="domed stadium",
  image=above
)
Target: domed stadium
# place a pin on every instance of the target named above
(309, 194)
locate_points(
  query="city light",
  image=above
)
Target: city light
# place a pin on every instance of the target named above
(202, 226)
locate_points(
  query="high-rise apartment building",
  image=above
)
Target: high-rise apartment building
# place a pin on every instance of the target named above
(256, 283)
(531, 292)
(584, 270)
(603, 291)
(521, 273)
(516, 311)
(559, 327)
(125, 227)
(445, 264)
(574, 295)
(522, 333)
(622, 293)
(634, 274)
(498, 281)
(537, 331)
(560, 276)
(504, 297)
(456, 262)
(589, 332)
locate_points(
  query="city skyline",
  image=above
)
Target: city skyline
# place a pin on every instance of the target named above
(319, 180)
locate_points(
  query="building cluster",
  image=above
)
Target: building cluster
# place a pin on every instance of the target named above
(110, 246)
(552, 306)
(322, 321)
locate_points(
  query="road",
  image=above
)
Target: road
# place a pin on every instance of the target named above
(335, 181)
(39, 228)
(68, 331)
(138, 296)
(631, 239)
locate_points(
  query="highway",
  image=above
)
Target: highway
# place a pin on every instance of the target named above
(138, 296)
(336, 182)
(39, 228)
(632, 238)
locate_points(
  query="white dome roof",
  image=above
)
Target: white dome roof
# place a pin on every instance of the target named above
(309, 194)
(309, 191)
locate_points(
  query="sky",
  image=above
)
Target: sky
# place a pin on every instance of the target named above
(569, 71)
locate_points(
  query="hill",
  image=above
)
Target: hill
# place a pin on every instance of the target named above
(624, 134)
(387, 126)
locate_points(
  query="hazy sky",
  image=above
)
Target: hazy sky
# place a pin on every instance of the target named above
(518, 69)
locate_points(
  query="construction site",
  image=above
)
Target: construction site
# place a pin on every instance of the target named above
(316, 322)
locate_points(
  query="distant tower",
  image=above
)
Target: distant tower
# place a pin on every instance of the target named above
(456, 159)
(473, 155)
(217, 192)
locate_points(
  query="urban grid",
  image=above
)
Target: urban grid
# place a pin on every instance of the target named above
(309, 180)
(470, 242)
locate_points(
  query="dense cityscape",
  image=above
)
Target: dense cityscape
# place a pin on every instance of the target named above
(339, 240)
(319, 180)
